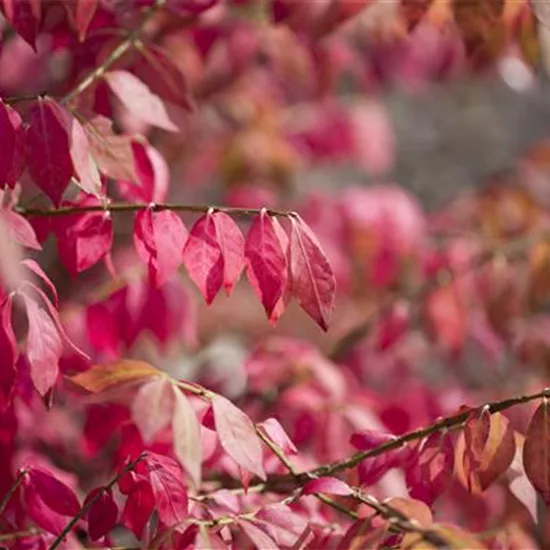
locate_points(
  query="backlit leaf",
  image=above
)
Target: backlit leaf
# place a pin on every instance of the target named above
(329, 485)
(19, 229)
(313, 282)
(202, 256)
(136, 96)
(238, 436)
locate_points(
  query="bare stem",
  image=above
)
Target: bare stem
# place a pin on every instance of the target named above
(116, 54)
(66, 530)
(136, 207)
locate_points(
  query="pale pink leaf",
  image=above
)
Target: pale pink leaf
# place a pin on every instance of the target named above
(238, 436)
(313, 282)
(19, 229)
(187, 436)
(273, 429)
(328, 485)
(260, 539)
(39, 272)
(137, 97)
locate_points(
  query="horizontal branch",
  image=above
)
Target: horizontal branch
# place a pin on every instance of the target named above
(274, 482)
(136, 207)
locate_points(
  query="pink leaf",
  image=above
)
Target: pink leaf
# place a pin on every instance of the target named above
(313, 282)
(159, 238)
(328, 485)
(266, 262)
(168, 489)
(136, 96)
(231, 243)
(202, 256)
(286, 281)
(19, 229)
(187, 436)
(8, 354)
(277, 434)
(12, 145)
(44, 346)
(41, 514)
(238, 436)
(48, 155)
(38, 271)
(55, 494)
(259, 538)
(85, 242)
(152, 407)
(103, 514)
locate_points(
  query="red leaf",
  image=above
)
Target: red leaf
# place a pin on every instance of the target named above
(286, 281)
(202, 256)
(24, 17)
(165, 77)
(328, 485)
(41, 514)
(536, 451)
(187, 437)
(8, 354)
(55, 494)
(266, 262)
(363, 534)
(431, 468)
(19, 229)
(44, 346)
(103, 514)
(12, 145)
(136, 96)
(159, 238)
(48, 156)
(231, 243)
(81, 13)
(152, 407)
(85, 168)
(313, 282)
(138, 508)
(168, 489)
(277, 434)
(85, 242)
(414, 510)
(238, 436)
(259, 538)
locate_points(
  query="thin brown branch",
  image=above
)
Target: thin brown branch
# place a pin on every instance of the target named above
(446, 423)
(67, 529)
(116, 54)
(136, 207)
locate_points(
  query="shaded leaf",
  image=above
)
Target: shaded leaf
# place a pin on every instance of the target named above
(8, 354)
(24, 17)
(12, 145)
(81, 13)
(362, 535)
(238, 436)
(55, 494)
(103, 514)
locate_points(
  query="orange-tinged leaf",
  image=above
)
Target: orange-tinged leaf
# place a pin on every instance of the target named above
(102, 377)
(536, 450)
(453, 537)
(415, 510)
(363, 534)
(485, 450)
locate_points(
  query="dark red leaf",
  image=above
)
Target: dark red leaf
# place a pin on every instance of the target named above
(24, 17)
(8, 354)
(202, 256)
(313, 282)
(103, 514)
(238, 436)
(138, 508)
(55, 494)
(137, 97)
(266, 262)
(48, 150)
